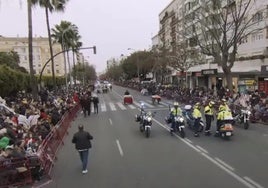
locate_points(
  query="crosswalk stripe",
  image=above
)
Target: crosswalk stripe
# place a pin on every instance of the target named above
(149, 105)
(137, 104)
(165, 104)
(121, 105)
(103, 108)
(112, 106)
(131, 106)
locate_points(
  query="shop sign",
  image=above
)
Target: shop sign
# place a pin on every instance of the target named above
(198, 74)
(264, 68)
(209, 72)
(250, 82)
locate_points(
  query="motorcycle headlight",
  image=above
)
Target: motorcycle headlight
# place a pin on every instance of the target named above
(181, 119)
(249, 112)
(149, 119)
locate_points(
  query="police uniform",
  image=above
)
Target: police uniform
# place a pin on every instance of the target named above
(197, 117)
(175, 111)
(209, 115)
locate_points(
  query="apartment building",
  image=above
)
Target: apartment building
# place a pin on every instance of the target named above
(41, 54)
(251, 65)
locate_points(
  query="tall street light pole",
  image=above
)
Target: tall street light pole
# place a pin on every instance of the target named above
(137, 62)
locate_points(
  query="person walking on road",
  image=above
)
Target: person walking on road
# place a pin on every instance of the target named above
(95, 104)
(82, 142)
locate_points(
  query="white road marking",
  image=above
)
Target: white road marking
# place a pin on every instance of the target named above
(119, 148)
(186, 139)
(231, 173)
(137, 104)
(121, 106)
(147, 104)
(110, 121)
(253, 182)
(224, 164)
(202, 149)
(131, 106)
(112, 106)
(103, 107)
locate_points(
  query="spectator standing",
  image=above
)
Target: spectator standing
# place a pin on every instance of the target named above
(95, 104)
(82, 142)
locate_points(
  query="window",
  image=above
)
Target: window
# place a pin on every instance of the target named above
(257, 17)
(267, 32)
(57, 71)
(48, 71)
(257, 36)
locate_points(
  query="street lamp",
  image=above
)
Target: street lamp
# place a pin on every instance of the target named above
(137, 61)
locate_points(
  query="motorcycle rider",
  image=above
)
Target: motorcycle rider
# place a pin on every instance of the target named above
(209, 115)
(197, 117)
(224, 105)
(126, 92)
(223, 114)
(175, 111)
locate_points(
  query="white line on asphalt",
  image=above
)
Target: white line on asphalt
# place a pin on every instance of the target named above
(131, 106)
(137, 104)
(253, 182)
(210, 159)
(224, 164)
(110, 121)
(112, 106)
(121, 106)
(202, 149)
(228, 171)
(147, 104)
(119, 148)
(186, 139)
(103, 108)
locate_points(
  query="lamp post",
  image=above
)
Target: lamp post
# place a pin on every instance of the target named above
(137, 61)
(66, 50)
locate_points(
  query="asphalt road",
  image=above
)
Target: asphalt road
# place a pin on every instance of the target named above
(122, 157)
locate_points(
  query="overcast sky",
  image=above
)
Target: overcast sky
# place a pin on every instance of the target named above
(112, 25)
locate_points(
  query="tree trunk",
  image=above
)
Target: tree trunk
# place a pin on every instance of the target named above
(229, 80)
(51, 49)
(33, 81)
(69, 66)
(74, 69)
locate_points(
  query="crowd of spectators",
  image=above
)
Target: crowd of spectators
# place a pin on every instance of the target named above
(26, 122)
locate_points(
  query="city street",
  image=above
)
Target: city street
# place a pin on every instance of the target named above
(122, 157)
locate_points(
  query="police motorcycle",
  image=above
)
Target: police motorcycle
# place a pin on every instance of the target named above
(145, 119)
(187, 113)
(179, 124)
(242, 117)
(226, 127)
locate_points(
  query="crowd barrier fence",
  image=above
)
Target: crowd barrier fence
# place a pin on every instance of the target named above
(20, 172)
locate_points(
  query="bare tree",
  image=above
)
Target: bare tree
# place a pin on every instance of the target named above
(220, 27)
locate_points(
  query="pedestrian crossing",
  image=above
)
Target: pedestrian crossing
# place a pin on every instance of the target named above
(110, 106)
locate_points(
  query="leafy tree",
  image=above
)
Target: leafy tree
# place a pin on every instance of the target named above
(220, 29)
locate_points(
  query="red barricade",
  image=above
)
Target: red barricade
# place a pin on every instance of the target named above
(19, 172)
(48, 150)
(15, 172)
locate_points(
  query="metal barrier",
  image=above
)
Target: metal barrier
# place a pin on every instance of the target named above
(48, 150)
(19, 172)
(15, 172)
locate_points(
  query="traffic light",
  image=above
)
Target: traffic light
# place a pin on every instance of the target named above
(94, 50)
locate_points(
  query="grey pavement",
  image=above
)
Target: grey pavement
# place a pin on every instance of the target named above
(122, 157)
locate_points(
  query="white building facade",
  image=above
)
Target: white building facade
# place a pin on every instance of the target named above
(250, 70)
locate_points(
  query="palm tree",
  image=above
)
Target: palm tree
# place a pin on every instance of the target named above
(51, 6)
(33, 81)
(68, 36)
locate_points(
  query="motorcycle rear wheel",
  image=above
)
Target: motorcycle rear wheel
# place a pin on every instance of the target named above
(147, 132)
(246, 125)
(182, 133)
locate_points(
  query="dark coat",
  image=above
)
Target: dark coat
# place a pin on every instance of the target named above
(81, 139)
